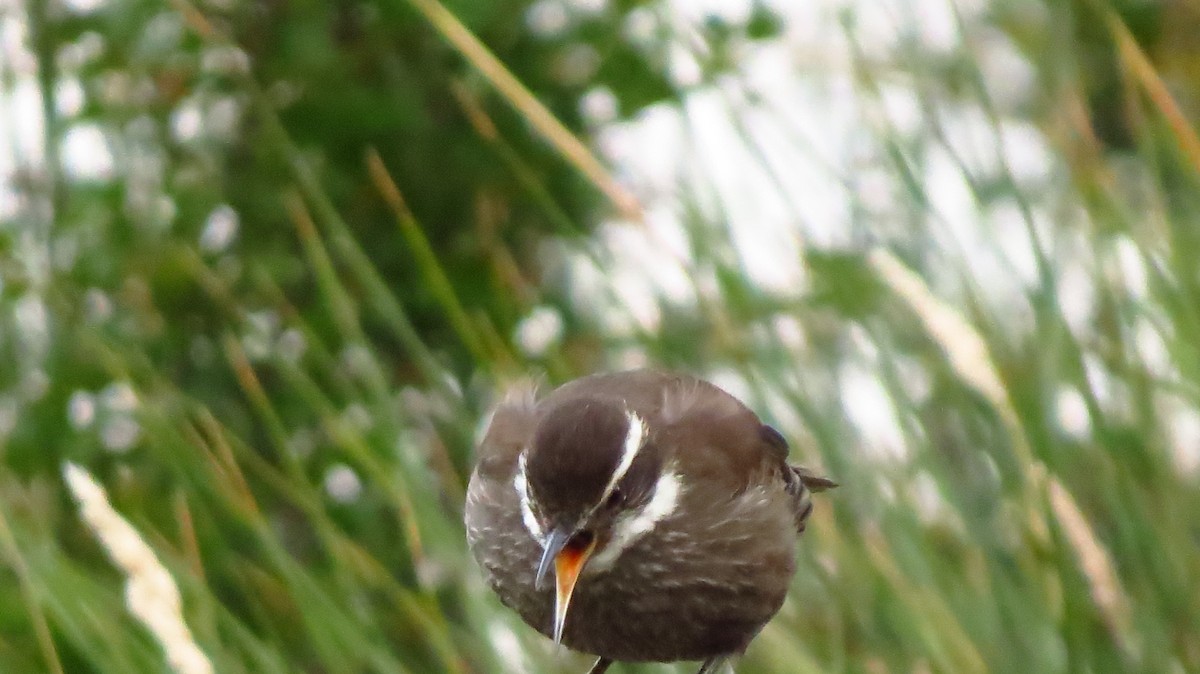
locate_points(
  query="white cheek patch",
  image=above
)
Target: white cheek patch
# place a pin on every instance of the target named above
(635, 437)
(636, 523)
(527, 517)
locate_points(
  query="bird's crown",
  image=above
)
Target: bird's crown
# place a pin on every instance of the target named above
(578, 448)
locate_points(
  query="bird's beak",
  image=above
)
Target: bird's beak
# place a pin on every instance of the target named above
(568, 551)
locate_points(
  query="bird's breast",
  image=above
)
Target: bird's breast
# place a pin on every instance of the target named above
(701, 583)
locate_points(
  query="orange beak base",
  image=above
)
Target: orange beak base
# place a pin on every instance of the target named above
(567, 566)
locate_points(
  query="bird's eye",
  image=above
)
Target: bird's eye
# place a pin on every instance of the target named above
(616, 499)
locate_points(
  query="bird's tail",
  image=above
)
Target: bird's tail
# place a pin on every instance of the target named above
(802, 484)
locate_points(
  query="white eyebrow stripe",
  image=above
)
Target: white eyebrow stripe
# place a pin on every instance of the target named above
(634, 439)
(527, 517)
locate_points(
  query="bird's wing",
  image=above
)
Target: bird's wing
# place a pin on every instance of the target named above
(720, 436)
(709, 431)
(800, 482)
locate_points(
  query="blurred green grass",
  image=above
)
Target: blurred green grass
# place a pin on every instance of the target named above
(322, 532)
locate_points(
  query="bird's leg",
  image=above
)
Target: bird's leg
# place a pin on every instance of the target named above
(713, 665)
(601, 666)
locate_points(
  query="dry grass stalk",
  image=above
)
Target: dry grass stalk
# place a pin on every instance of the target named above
(1094, 560)
(972, 361)
(150, 591)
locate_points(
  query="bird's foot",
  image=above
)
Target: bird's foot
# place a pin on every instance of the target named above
(710, 666)
(714, 665)
(601, 666)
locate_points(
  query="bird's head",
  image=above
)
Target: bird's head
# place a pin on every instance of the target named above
(590, 482)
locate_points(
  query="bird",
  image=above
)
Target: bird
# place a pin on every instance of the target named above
(638, 516)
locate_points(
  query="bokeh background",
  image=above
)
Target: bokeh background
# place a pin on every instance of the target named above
(264, 266)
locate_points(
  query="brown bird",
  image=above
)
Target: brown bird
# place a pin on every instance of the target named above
(664, 508)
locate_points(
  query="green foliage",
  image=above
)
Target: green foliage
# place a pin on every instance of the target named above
(287, 417)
